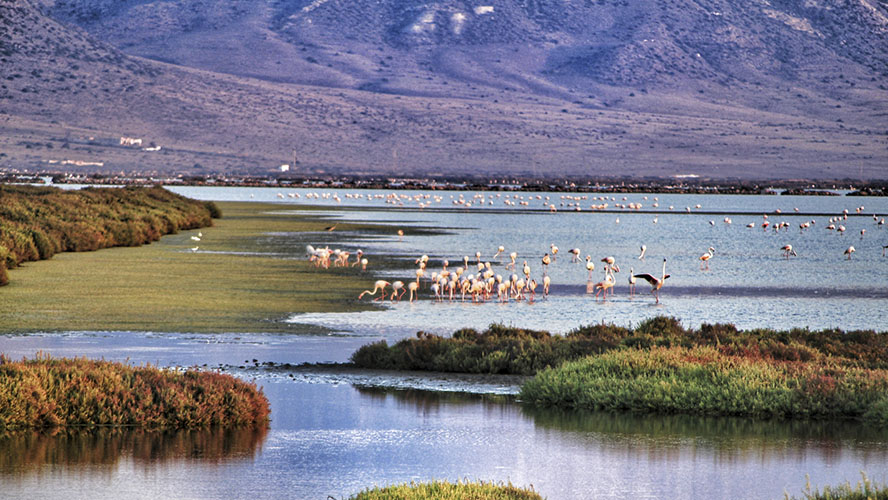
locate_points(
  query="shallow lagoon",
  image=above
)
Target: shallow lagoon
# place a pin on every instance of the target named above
(336, 434)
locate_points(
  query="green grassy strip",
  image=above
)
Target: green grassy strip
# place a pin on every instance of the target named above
(39, 222)
(46, 392)
(864, 490)
(704, 381)
(506, 350)
(443, 490)
(250, 274)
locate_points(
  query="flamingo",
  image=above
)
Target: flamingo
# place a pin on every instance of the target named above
(364, 263)
(499, 250)
(883, 250)
(590, 266)
(526, 270)
(643, 250)
(656, 283)
(704, 259)
(787, 251)
(546, 282)
(546, 261)
(532, 285)
(631, 283)
(576, 254)
(413, 287)
(554, 250)
(379, 286)
(358, 256)
(849, 251)
(862, 232)
(512, 256)
(400, 235)
(397, 286)
(605, 285)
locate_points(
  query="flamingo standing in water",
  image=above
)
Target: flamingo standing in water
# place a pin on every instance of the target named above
(546, 282)
(590, 266)
(656, 283)
(397, 290)
(704, 259)
(576, 254)
(512, 256)
(413, 287)
(379, 286)
(499, 250)
(546, 261)
(607, 284)
(631, 283)
(643, 250)
(849, 251)
(787, 251)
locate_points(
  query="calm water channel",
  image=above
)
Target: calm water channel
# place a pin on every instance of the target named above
(336, 433)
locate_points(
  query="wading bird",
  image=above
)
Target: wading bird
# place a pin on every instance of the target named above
(379, 286)
(631, 283)
(704, 259)
(656, 283)
(787, 251)
(849, 251)
(643, 250)
(590, 266)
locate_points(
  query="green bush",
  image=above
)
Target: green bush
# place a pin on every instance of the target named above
(443, 490)
(38, 222)
(47, 392)
(705, 381)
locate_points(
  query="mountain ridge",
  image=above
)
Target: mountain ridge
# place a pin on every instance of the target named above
(723, 89)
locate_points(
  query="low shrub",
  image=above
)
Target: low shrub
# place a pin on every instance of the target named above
(38, 222)
(443, 490)
(47, 392)
(705, 381)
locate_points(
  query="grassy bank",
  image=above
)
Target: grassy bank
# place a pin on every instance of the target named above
(46, 392)
(508, 350)
(864, 490)
(705, 381)
(249, 274)
(39, 222)
(443, 490)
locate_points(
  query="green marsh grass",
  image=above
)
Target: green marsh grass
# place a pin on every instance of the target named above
(245, 277)
(443, 490)
(508, 350)
(864, 490)
(38, 222)
(705, 381)
(75, 393)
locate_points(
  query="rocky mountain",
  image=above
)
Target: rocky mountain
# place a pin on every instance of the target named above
(722, 88)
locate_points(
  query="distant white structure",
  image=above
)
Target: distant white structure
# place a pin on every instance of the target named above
(130, 141)
(285, 168)
(483, 9)
(152, 148)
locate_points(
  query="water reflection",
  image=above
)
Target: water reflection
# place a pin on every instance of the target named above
(29, 450)
(729, 436)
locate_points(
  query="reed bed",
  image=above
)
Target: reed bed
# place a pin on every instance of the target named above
(45, 392)
(506, 350)
(38, 222)
(864, 490)
(443, 490)
(705, 381)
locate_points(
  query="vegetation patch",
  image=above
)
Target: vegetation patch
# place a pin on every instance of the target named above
(507, 350)
(250, 274)
(865, 490)
(443, 490)
(39, 222)
(48, 393)
(703, 380)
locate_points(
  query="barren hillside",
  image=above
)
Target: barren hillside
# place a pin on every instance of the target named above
(726, 88)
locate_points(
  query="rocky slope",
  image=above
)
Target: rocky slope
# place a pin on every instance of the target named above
(724, 88)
